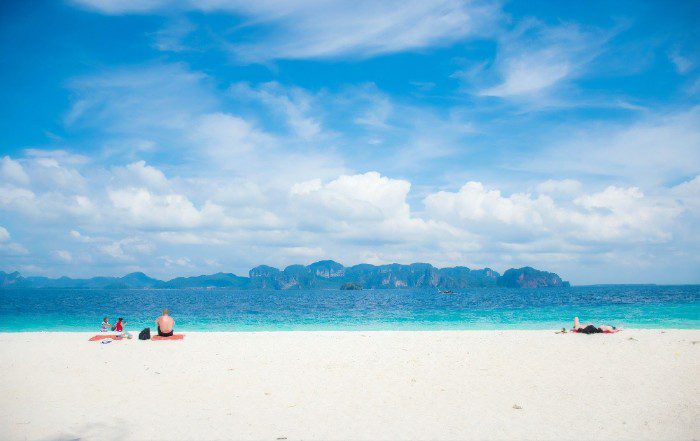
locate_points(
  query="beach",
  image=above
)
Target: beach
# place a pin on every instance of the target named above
(453, 385)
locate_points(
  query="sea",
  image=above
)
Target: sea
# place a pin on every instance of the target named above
(632, 306)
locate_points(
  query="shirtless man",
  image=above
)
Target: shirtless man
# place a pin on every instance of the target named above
(165, 324)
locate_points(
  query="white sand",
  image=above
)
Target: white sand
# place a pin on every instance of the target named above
(353, 385)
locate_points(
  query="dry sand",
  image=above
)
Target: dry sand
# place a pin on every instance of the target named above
(637, 384)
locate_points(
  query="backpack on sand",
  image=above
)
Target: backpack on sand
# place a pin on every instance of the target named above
(145, 334)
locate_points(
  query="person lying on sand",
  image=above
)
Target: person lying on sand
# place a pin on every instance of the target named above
(165, 324)
(590, 329)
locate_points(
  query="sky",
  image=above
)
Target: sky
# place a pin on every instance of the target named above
(193, 137)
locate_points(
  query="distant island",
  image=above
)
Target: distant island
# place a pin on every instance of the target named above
(326, 274)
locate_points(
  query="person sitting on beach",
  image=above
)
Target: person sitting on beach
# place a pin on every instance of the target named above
(119, 327)
(165, 324)
(591, 329)
(105, 325)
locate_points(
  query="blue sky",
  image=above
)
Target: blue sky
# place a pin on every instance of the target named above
(183, 137)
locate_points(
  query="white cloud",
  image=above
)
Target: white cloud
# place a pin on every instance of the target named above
(140, 174)
(312, 29)
(352, 218)
(682, 64)
(8, 248)
(534, 58)
(229, 138)
(613, 215)
(563, 187)
(171, 37)
(226, 182)
(358, 197)
(57, 156)
(63, 256)
(126, 249)
(144, 209)
(294, 103)
(80, 237)
(17, 198)
(180, 262)
(137, 102)
(650, 151)
(476, 206)
(13, 249)
(689, 194)
(12, 171)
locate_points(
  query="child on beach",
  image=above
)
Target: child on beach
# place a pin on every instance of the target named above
(105, 325)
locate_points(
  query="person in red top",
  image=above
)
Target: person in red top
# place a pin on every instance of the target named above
(119, 327)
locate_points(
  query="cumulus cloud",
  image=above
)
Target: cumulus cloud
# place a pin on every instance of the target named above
(362, 197)
(136, 213)
(234, 185)
(474, 203)
(688, 193)
(613, 215)
(140, 174)
(12, 171)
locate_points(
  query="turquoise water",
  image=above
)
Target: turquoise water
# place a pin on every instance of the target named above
(405, 309)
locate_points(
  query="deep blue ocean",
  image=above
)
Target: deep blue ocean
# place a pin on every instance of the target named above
(395, 309)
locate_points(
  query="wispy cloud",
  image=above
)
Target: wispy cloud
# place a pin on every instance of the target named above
(682, 63)
(534, 59)
(654, 150)
(309, 29)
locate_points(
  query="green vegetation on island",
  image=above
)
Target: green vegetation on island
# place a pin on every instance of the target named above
(323, 274)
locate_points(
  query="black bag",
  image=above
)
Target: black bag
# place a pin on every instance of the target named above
(145, 334)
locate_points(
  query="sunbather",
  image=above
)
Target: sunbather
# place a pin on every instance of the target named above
(591, 329)
(165, 324)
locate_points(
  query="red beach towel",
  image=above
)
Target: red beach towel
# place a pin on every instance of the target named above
(172, 337)
(104, 337)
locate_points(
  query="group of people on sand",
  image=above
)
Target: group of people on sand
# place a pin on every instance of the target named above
(164, 323)
(117, 327)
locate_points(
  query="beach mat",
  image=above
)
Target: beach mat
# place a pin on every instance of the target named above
(104, 337)
(173, 337)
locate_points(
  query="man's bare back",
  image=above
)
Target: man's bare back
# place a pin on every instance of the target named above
(165, 322)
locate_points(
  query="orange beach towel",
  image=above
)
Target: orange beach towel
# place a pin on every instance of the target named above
(104, 337)
(172, 337)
